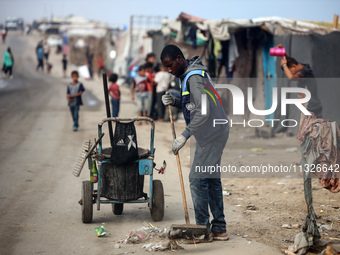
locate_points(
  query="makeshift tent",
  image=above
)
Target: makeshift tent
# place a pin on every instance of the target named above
(243, 52)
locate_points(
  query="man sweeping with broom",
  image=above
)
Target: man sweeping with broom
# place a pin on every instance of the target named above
(206, 188)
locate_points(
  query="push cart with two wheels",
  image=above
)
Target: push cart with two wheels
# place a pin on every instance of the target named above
(122, 184)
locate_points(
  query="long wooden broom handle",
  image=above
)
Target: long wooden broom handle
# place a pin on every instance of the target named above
(187, 221)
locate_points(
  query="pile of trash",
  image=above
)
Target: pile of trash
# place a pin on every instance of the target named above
(162, 246)
(158, 238)
(144, 234)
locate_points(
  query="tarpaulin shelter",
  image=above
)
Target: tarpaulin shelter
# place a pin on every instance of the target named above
(85, 35)
(238, 50)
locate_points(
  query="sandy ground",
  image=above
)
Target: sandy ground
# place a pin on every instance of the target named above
(39, 212)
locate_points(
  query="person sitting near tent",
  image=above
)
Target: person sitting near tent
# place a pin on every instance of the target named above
(304, 75)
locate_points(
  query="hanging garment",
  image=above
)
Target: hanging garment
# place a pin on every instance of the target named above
(233, 52)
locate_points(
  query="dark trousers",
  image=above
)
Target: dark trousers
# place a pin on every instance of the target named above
(160, 105)
(206, 188)
(40, 64)
(153, 113)
(9, 70)
(75, 115)
(115, 107)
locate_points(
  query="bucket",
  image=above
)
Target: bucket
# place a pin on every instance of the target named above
(121, 183)
(277, 52)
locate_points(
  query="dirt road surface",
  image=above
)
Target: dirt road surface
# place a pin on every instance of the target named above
(39, 210)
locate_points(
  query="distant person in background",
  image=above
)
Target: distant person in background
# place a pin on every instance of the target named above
(8, 63)
(39, 45)
(140, 86)
(64, 61)
(40, 58)
(59, 49)
(89, 60)
(27, 29)
(162, 82)
(49, 67)
(3, 34)
(74, 91)
(115, 94)
(151, 87)
(46, 49)
(100, 64)
(151, 58)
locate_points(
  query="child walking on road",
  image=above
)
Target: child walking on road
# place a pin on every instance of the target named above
(74, 92)
(140, 86)
(115, 94)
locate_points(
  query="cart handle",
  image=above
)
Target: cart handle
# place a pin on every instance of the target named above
(129, 119)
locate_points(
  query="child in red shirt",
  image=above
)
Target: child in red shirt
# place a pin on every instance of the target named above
(115, 94)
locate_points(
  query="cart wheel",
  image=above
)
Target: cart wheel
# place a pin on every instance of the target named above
(157, 211)
(117, 209)
(87, 203)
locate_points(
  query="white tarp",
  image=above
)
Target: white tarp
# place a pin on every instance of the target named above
(221, 29)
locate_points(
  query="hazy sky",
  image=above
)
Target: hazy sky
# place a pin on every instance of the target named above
(118, 12)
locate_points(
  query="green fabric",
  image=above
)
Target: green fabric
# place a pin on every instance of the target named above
(8, 59)
(199, 41)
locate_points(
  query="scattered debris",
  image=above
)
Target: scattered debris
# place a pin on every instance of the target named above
(143, 234)
(162, 246)
(330, 250)
(101, 231)
(287, 252)
(286, 226)
(300, 245)
(325, 227)
(226, 193)
(117, 246)
(256, 149)
(251, 208)
(293, 149)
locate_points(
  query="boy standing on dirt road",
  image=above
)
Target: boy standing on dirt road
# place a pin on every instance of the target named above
(206, 188)
(74, 92)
